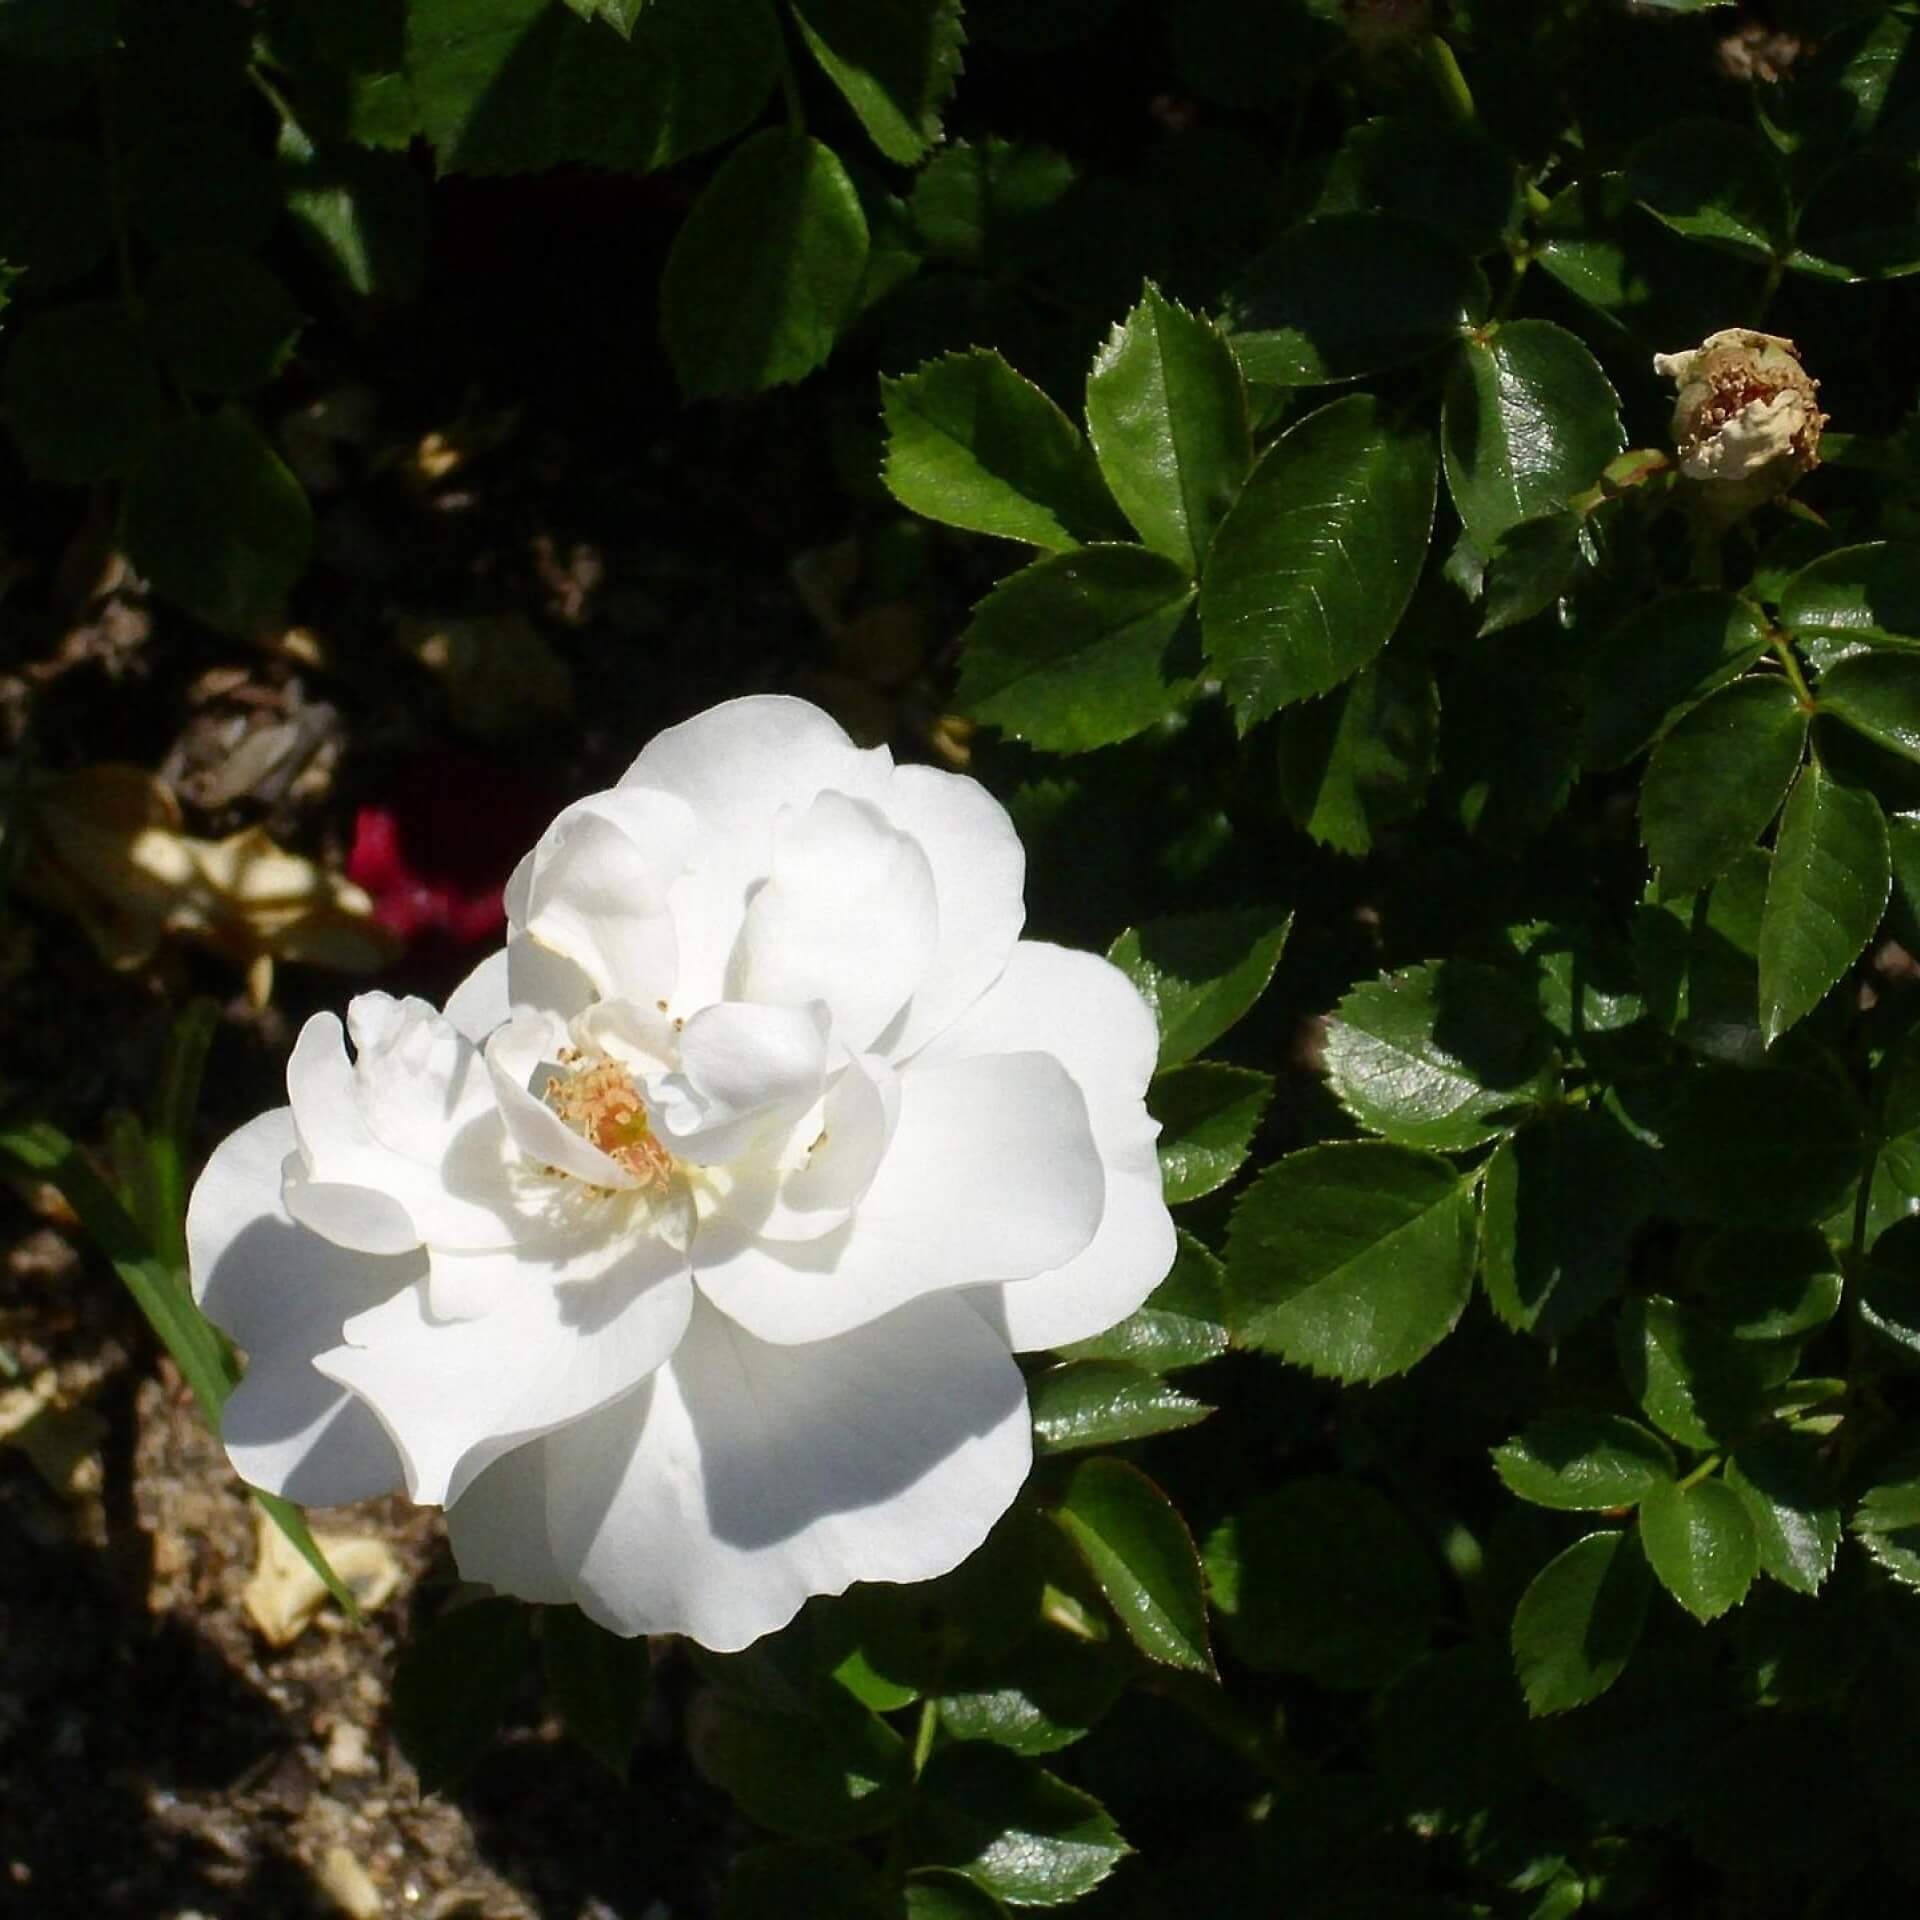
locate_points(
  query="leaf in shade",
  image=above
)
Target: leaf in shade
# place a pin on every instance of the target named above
(1208, 1114)
(1861, 594)
(1201, 972)
(1183, 1323)
(1701, 1543)
(1101, 1403)
(1577, 1625)
(1583, 1462)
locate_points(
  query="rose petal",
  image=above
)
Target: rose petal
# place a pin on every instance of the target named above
(521, 1056)
(567, 1334)
(979, 876)
(498, 1526)
(283, 1294)
(991, 1174)
(846, 917)
(748, 1477)
(746, 1075)
(1086, 1012)
(479, 1003)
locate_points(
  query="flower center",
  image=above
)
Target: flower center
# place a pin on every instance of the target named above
(598, 1100)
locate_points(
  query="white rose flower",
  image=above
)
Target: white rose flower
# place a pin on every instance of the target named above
(684, 1258)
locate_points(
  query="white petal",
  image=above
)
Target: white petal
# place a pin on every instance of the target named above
(750, 1476)
(283, 1294)
(979, 880)
(746, 1074)
(479, 1003)
(540, 980)
(521, 1057)
(598, 890)
(991, 1174)
(567, 1334)
(846, 917)
(1087, 1012)
(498, 1528)
(738, 766)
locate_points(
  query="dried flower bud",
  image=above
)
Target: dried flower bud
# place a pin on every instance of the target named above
(1747, 416)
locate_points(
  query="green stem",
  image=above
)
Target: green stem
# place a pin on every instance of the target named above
(923, 1735)
(1706, 1466)
(790, 88)
(1784, 654)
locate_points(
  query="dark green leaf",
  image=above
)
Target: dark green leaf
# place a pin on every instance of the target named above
(1313, 567)
(1100, 1403)
(989, 203)
(1183, 1323)
(1530, 420)
(1783, 1482)
(1533, 564)
(598, 1681)
(1348, 295)
(805, 1883)
(1672, 651)
(454, 1683)
(1454, 179)
(364, 214)
(1888, 1289)
(1767, 1286)
(1716, 779)
(514, 86)
(1560, 1204)
(1011, 1828)
(767, 268)
(895, 64)
(1359, 758)
(949, 1896)
(1139, 1550)
(1201, 972)
(216, 522)
(1716, 182)
(56, 29)
(1701, 1544)
(1583, 1462)
(1577, 1625)
(1208, 1115)
(1352, 1260)
(1763, 1149)
(55, 217)
(1829, 883)
(222, 321)
(828, 1773)
(1864, 594)
(81, 393)
(1444, 1056)
(199, 185)
(1325, 1578)
(972, 444)
(1877, 694)
(1043, 1695)
(1081, 649)
(1692, 1380)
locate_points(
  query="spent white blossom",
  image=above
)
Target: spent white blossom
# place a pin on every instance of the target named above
(684, 1257)
(1746, 415)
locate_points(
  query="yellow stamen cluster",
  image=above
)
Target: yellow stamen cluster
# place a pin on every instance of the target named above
(598, 1100)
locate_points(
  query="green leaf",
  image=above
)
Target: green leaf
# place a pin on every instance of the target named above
(216, 522)
(1878, 695)
(1041, 1696)
(1887, 1290)
(620, 15)
(1692, 1380)
(199, 185)
(1867, 594)
(1080, 649)
(1783, 1483)
(990, 203)
(1454, 179)
(1534, 563)
(805, 1883)
(1359, 759)
(364, 214)
(1183, 1323)
(1201, 972)
(598, 1681)
(1831, 877)
(1580, 1462)
(1773, 1148)
(766, 270)
(222, 321)
(1011, 1828)
(515, 86)
(895, 64)
(947, 1896)
(56, 220)
(1713, 181)
(1670, 652)
(1208, 1115)
(80, 392)
(1139, 1550)
(453, 1684)
(1717, 778)
(1529, 420)
(1445, 1055)
(1348, 295)
(970, 443)
(1316, 561)
(1327, 1579)
(1167, 413)
(1579, 1621)
(829, 1770)
(1767, 1286)
(1560, 1204)
(56, 29)
(1101, 1403)
(1701, 1544)
(1353, 1260)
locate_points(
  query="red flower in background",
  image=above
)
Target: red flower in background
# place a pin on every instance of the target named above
(436, 853)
